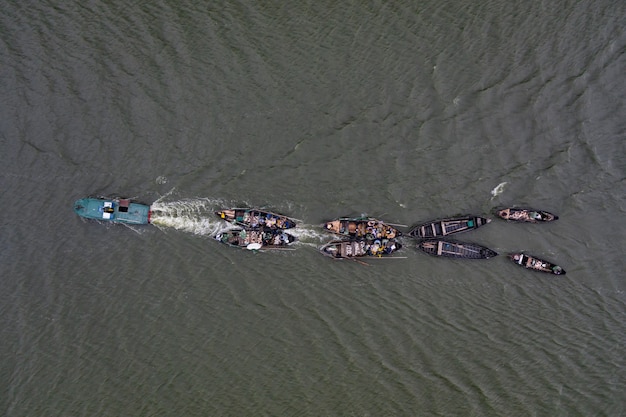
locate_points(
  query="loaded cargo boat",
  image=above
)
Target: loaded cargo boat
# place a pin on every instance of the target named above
(254, 239)
(536, 264)
(445, 227)
(114, 210)
(454, 249)
(362, 228)
(526, 215)
(342, 249)
(256, 219)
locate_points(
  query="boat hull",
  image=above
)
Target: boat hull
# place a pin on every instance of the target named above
(535, 264)
(255, 239)
(446, 227)
(526, 215)
(453, 249)
(345, 249)
(113, 210)
(256, 219)
(361, 228)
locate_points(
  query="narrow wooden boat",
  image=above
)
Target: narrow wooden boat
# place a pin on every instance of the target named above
(362, 228)
(114, 210)
(445, 227)
(536, 264)
(255, 218)
(453, 249)
(526, 215)
(341, 249)
(255, 239)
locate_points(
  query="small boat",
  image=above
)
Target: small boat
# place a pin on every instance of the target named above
(115, 210)
(255, 239)
(445, 227)
(342, 249)
(453, 249)
(362, 228)
(536, 264)
(255, 218)
(526, 215)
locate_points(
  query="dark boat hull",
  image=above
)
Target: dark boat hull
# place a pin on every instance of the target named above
(255, 239)
(535, 264)
(346, 249)
(361, 228)
(446, 227)
(113, 210)
(256, 219)
(526, 215)
(453, 249)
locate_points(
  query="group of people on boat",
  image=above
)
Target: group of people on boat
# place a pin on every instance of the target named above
(255, 229)
(255, 219)
(369, 229)
(380, 247)
(362, 236)
(245, 237)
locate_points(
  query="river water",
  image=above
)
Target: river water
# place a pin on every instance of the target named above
(406, 111)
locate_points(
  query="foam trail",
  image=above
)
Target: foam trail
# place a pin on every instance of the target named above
(309, 235)
(193, 216)
(499, 189)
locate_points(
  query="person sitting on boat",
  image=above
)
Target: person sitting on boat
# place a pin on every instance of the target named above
(376, 247)
(535, 215)
(390, 248)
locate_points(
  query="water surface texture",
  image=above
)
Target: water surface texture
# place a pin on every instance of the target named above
(406, 111)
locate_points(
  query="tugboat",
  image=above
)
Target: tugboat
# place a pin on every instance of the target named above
(250, 218)
(114, 210)
(361, 228)
(445, 227)
(253, 239)
(536, 264)
(526, 215)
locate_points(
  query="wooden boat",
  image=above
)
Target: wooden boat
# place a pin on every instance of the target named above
(341, 249)
(453, 249)
(114, 210)
(526, 215)
(445, 227)
(256, 219)
(535, 264)
(362, 228)
(255, 239)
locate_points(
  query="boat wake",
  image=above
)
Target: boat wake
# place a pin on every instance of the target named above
(309, 235)
(192, 216)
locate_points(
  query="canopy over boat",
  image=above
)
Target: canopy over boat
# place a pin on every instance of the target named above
(526, 215)
(254, 239)
(362, 228)
(453, 249)
(360, 248)
(445, 227)
(536, 264)
(255, 218)
(115, 210)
